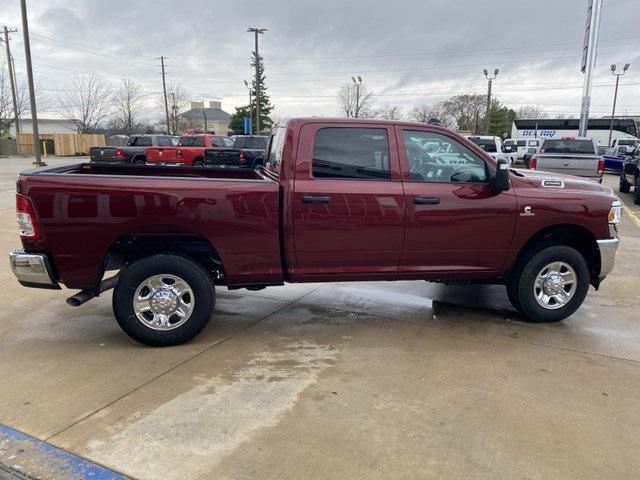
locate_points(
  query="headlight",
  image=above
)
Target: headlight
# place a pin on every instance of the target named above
(614, 217)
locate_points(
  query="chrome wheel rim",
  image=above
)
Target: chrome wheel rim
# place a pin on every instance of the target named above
(555, 285)
(163, 302)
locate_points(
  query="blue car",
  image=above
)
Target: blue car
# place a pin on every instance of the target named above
(614, 159)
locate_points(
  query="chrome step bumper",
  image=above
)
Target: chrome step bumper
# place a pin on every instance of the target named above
(32, 269)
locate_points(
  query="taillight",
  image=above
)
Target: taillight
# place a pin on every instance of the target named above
(241, 157)
(533, 162)
(119, 153)
(26, 215)
(601, 166)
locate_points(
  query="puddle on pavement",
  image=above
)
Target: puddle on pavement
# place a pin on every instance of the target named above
(215, 417)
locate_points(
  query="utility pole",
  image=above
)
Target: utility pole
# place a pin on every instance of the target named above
(357, 83)
(615, 96)
(164, 89)
(174, 114)
(490, 80)
(257, 31)
(246, 84)
(32, 96)
(589, 50)
(204, 115)
(16, 114)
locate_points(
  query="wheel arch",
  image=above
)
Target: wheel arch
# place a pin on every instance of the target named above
(572, 235)
(130, 247)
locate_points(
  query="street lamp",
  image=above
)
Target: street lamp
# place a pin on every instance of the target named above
(490, 80)
(615, 95)
(246, 84)
(357, 83)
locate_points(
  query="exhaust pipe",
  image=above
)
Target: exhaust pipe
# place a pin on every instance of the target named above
(83, 296)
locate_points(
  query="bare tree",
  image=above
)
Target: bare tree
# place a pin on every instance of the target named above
(127, 104)
(7, 117)
(386, 111)
(355, 101)
(530, 112)
(178, 99)
(87, 102)
(424, 113)
(466, 110)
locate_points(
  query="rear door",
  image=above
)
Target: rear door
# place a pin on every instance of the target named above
(454, 222)
(348, 201)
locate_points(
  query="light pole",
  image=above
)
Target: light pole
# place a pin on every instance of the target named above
(246, 84)
(257, 31)
(490, 80)
(357, 83)
(615, 95)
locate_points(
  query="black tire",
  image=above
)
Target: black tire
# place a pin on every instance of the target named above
(636, 192)
(198, 163)
(625, 187)
(520, 287)
(139, 161)
(135, 274)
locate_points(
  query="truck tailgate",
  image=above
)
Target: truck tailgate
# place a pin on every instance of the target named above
(103, 154)
(162, 155)
(224, 157)
(579, 165)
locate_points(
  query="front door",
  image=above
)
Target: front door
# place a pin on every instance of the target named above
(348, 203)
(455, 223)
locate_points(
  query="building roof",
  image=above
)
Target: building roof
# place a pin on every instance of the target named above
(213, 115)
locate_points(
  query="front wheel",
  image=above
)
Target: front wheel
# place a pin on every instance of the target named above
(163, 300)
(198, 163)
(550, 284)
(625, 186)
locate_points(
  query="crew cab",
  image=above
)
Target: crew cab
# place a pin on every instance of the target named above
(493, 146)
(246, 151)
(571, 156)
(134, 152)
(189, 151)
(630, 174)
(337, 200)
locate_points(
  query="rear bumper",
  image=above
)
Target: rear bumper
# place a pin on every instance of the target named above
(608, 250)
(32, 269)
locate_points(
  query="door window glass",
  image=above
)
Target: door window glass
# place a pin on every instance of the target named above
(164, 142)
(355, 153)
(198, 142)
(433, 157)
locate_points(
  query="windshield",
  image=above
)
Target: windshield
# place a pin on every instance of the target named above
(568, 146)
(488, 145)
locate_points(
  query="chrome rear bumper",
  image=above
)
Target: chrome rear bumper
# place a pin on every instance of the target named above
(32, 269)
(608, 250)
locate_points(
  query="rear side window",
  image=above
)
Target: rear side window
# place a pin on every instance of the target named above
(186, 141)
(198, 142)
(217, 142)
(355, 153)
(164, 142)
(141, 142)
(274, 158)
(256, 142)
(568, 146)
(239, 143)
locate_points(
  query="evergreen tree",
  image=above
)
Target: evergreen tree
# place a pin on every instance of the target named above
(236, 124)
(265, 103)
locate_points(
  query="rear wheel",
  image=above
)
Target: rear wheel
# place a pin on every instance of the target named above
(198, 163)
(625, 186)
(636, 192)
(550, 284)
(140, 161)
(163, 300)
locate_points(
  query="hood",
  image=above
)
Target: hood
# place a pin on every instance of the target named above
(559, 182)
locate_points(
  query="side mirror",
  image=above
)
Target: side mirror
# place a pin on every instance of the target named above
(500, 180)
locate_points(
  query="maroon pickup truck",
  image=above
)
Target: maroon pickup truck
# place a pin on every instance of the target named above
(337, 200)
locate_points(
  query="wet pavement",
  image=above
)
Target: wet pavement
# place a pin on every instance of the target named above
(349, 380)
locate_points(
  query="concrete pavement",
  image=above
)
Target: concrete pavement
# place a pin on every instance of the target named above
(352, 380)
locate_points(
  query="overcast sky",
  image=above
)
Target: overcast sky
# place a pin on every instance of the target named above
(408, 52)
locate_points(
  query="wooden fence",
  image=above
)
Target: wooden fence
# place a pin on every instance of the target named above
(64, 144)
(8, 146)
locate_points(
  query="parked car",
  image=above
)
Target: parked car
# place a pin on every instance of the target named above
(630, 143)
(614, 158)
(520, 146)
(571, 156)
(134, 152)
(247, 151)
(630, 175)
(190, 150)
(337, 200)
(493, 146)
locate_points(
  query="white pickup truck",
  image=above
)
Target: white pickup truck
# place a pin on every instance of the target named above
(493, 146)
(570, 156)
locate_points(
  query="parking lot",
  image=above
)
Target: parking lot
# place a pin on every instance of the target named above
(348, 380)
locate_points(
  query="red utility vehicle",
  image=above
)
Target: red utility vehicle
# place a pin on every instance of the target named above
(337, 200)
(190, 150)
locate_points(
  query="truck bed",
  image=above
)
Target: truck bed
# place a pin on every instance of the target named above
(86, 209)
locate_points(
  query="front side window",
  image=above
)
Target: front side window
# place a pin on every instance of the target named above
(141, 142)
(351, 153)
(433, 157)
(186, 141)
(164, 142)
(198, 142)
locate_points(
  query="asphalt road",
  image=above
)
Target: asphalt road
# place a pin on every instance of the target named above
(351, 380)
